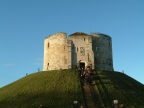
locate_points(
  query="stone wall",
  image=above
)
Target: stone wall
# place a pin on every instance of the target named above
(94, 49)
(102, 48)
(57, 51)
(82, 49)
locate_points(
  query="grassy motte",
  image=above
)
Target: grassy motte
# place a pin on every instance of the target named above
(54, 89)
(116, 85)
(58, 89)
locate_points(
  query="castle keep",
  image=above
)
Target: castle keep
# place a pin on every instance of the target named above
(78, 49)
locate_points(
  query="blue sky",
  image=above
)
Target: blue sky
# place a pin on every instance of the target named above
(25, 23)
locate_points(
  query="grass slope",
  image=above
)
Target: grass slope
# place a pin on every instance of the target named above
(58, 89)
(116, 85)
(54, 89)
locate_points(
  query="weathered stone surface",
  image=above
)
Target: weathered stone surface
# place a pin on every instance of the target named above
(62, 52)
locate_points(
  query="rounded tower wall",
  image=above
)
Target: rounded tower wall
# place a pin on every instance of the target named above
(55, 52)
(102, 47)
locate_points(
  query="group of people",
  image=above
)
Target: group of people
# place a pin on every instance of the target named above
(86, 74)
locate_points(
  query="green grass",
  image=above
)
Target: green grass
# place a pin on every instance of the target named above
(54, 89)
(116, 85)
(58, 89)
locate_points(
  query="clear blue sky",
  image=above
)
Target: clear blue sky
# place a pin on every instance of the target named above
(25, 23)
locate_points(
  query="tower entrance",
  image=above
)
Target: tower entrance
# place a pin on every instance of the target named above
(82, 65)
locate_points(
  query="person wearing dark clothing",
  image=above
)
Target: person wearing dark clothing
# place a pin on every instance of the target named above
(122, 106)
(42, 106)
(88, 75)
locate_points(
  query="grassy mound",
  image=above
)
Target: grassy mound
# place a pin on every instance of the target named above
(116, 85)
(54, 89)
(58, 89)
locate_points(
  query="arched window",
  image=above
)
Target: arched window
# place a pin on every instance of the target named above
(77, 49)
(64, 47)
(48, 45)
(47, 66)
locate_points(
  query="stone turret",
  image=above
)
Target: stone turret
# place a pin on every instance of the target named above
(57, 52)
(102, 48)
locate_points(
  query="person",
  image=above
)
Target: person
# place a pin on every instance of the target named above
(82, 74)
(82, 71)
(89, 70)
(122, 106)
(81, 106)
(75, 104)
(88, 74)
(42, 106)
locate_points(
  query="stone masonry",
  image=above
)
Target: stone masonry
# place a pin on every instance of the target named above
(78, 49)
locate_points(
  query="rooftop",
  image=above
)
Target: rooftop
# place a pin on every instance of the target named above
(78, 33)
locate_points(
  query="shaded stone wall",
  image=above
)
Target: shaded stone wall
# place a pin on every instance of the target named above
(102, 48)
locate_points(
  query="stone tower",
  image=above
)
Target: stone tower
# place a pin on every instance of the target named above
(78, 49)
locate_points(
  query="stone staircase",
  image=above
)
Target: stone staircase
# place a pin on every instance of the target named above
(92, 96)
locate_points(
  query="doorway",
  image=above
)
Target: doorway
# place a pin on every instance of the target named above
(82, 65)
